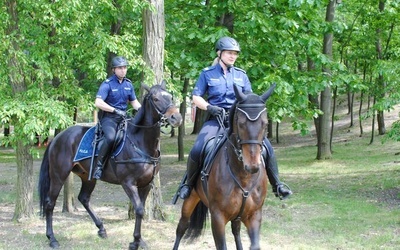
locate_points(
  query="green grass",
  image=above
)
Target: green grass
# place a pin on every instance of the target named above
(342, 203)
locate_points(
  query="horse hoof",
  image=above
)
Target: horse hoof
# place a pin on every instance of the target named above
(135, 245)
(54, 244)
(102, 233)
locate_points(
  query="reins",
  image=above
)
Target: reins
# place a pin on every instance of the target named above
(238, 152)
(144, 157)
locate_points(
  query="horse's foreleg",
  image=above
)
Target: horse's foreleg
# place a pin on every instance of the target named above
(84, 197)
(235, 226)
(218, 223)
(138, 199)
(188, 207)
(253, 225)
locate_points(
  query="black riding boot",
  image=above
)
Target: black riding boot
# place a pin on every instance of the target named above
(192, 173)
(279, 188)
(101, 160)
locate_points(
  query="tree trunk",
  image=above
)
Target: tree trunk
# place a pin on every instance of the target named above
(24, 186)
(153, 55)
(324, 133)
(24, 201)
(69, 197)
(181, 134)
(380, 81)
(153, 38)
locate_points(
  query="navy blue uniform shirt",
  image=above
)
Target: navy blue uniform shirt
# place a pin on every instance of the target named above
(219, 87)
(117, 94)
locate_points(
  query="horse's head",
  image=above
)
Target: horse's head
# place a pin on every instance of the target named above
(248, 124)
(162, 104)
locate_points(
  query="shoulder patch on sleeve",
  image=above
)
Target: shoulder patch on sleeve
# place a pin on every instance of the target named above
(239, 69)
(209, 68)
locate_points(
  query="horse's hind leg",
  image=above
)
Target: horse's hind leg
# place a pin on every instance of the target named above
(84, 197)
(49, 209)
(235, 226)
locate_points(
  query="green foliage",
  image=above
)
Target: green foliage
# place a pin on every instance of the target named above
(33, 116)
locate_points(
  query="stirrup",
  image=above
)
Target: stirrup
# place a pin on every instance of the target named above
(279, 194)
(98, 173)
(186, 191)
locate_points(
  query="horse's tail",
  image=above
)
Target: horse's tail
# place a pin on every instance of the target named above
(197, 221)
(44, 180)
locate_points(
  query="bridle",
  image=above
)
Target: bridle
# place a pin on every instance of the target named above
(162, 121)
(241, 107)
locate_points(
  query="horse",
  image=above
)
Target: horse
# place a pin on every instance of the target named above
(133, 168)
(233, 186)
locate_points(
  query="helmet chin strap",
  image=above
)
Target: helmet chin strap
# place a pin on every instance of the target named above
(227, 65)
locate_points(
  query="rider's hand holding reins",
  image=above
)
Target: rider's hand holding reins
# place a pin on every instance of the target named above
(120, 112)
(214, 110)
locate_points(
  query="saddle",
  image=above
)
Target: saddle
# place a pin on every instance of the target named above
(94, 136)
(210, 149)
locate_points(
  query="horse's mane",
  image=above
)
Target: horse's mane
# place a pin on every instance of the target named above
(251, 98)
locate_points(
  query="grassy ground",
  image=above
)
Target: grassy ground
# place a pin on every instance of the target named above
(349, 202)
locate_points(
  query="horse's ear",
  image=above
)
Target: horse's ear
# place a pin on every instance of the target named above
(266, 95)
(239, 94)
(163, 84)
(145, 87)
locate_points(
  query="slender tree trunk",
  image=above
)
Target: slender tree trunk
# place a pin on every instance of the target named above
(323, 137)
(360, 113)
(380, 81)
(183, 107)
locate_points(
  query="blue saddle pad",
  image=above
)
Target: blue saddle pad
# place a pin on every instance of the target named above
(85, 148)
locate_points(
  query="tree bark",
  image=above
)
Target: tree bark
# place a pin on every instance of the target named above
(24, 186)
(324, 132)
(181, 129)
(380, 81)
(153, 38)
(69, 197)
(153, 55)
(24, 201)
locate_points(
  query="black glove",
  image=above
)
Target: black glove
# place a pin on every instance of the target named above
(120, 112)
(214, 110)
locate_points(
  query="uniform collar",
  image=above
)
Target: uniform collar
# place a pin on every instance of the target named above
(222, 70)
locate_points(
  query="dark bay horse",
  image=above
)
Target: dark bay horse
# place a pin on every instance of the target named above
(133, 168)
(235, 186)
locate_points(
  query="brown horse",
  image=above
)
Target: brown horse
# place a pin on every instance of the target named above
(133, 168)
(235, 185)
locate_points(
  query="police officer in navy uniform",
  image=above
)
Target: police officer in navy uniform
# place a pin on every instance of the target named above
(217, 83)
(112, 99)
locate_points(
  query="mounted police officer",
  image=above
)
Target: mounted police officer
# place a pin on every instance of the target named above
(216, 82)
(112, 99)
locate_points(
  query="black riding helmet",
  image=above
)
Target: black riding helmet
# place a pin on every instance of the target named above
(119, 61)
(227, 43)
